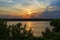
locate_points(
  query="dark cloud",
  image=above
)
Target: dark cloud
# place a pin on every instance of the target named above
(55, 3)
(51, 14)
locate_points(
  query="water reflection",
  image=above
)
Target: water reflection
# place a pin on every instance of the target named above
(37, 26)
(29, 25)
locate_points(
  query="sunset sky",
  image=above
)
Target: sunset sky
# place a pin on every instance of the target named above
(29, 8)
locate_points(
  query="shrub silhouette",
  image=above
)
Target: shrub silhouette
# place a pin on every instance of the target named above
(14, 32)
(17, 32)
(4, 33)
(55, 33)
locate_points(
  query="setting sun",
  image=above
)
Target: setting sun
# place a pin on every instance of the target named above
(28, 11)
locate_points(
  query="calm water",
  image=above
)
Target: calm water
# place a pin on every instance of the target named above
(37, 26)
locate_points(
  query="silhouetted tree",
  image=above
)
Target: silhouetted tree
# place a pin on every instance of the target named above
(55, 33)
(4, 33)
(20, 33)
(56, 25)
(14, 32)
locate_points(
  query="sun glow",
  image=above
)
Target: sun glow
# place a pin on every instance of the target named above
(29, 11)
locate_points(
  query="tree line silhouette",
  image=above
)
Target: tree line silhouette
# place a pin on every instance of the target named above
(17, 32)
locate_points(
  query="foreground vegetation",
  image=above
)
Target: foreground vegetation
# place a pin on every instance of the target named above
(17, 32)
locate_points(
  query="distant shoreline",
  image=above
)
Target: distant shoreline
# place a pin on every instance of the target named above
(14, 19)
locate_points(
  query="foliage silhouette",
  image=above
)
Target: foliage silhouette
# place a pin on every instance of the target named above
(55, 33)
(17, 32)
(14, 32)
(4, 32)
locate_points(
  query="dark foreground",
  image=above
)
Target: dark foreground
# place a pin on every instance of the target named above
(16, 32)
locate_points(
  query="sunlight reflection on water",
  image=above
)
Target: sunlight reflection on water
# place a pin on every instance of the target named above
(37, 26)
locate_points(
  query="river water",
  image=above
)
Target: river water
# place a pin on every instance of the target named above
(37, 26)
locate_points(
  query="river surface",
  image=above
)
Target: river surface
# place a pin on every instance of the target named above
(37, 26)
